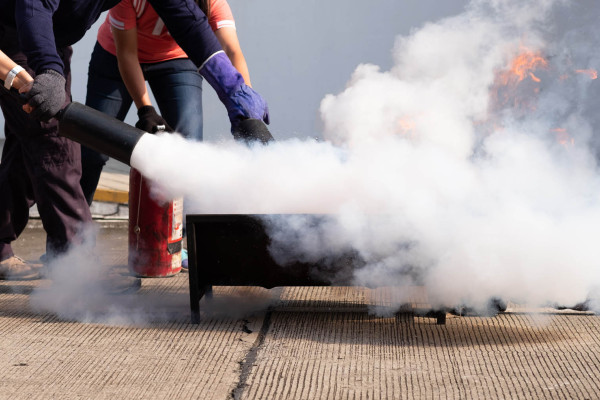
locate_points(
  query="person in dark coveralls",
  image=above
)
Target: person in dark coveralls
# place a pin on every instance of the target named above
(38, 166)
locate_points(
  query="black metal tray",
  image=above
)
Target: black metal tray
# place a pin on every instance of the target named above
(233, 250)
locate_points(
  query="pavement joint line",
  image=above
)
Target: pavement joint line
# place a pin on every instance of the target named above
(247, 364)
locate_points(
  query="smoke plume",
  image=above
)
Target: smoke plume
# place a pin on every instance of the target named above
(470, 167)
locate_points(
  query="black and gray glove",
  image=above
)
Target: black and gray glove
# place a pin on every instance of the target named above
(150, 121)
(47, 95)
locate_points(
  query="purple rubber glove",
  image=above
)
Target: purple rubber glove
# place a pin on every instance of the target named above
(241, 101)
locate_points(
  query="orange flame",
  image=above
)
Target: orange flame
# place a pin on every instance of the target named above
(405, 126)
(517, 87)
(523, 66)
(592, 73)
(563, 137)
(505, 90)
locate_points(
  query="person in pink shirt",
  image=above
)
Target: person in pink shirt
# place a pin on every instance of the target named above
(133, 47)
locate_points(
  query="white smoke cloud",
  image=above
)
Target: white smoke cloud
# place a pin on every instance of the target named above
(84, 287)
(81, 288)
(432, 178)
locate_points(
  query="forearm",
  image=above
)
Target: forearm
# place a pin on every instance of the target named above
(6, 65)
(133, 77)
(129, 66)
(229, 41)
(239, 62)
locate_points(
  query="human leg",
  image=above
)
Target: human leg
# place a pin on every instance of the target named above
(15, 186)
(15, 202)
(177, 88)
(107, 93)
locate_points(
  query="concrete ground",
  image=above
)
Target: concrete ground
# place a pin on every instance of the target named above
(70, 341)
(284, 343)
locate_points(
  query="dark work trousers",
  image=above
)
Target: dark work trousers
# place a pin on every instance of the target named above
(38, 167)
(177, 88)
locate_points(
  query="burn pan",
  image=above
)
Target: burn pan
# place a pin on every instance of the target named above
(233, 250)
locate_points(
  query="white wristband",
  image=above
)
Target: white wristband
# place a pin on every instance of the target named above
(11, 76)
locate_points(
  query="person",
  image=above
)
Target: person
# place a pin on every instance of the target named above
(134, 47)
(39, 166)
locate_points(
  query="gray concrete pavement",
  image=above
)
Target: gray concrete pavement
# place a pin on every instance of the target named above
(284, 343)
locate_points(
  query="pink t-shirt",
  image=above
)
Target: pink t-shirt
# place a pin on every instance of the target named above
(155, 44)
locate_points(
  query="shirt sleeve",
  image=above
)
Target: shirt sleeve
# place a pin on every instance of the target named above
(221, 15)
(36, 35)
(123, 16)
(189, 27)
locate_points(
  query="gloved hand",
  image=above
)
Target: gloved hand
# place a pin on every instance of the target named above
(47, 95)
(150, 121)
(241, 101)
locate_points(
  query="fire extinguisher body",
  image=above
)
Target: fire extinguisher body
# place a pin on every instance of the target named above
(155, 231)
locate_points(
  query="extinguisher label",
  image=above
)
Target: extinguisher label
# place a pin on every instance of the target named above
(177, 220)
(176, 261)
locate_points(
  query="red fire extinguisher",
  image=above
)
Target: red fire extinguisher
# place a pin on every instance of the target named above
(155, 231)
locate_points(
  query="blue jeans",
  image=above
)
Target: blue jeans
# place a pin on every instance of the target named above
(177, 88)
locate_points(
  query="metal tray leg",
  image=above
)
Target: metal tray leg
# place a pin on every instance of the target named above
(195, 292)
